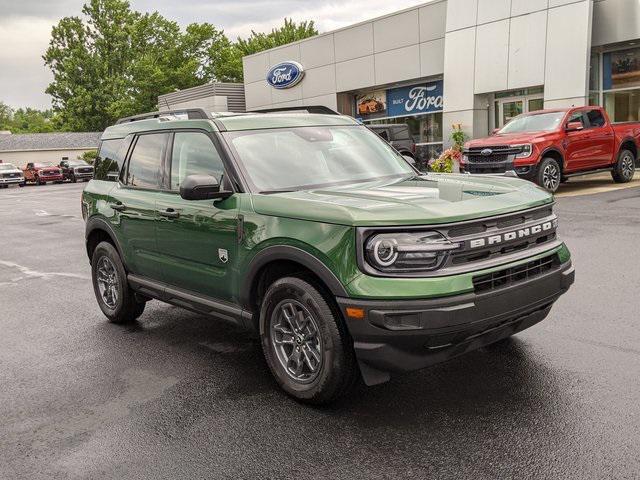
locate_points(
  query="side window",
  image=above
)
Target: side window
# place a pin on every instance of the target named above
(145, 163)
(194, 154)
(109, 160)
(577, 117)
(596, 119)
(383, 134)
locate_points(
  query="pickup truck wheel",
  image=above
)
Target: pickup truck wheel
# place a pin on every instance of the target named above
(624, 168)
(74, 179)
(115, 298)
(305, 342)
(549, 174)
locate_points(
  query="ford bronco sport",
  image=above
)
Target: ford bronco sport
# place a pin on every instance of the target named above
(317, 235)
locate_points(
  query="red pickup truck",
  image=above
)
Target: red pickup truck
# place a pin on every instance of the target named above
(41, 173)
(549, 146)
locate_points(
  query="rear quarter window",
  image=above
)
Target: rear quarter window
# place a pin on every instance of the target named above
(110, 158)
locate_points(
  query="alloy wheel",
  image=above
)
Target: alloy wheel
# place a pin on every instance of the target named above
(295, 338)
(107, 279)
(551, 177)
(627, 166)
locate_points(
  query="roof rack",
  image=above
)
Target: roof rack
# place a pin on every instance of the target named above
(192, 113)
(307, 109)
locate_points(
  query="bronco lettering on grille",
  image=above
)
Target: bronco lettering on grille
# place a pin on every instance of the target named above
(514, 235)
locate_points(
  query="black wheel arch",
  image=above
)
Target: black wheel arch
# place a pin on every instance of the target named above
(629, 143)
(290, 255)
(98, 230)
(556, 154)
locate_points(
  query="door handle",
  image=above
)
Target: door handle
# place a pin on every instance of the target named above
(119, 206)
(169, 213)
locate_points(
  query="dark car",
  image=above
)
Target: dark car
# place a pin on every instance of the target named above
(398, 136)
(75, 170)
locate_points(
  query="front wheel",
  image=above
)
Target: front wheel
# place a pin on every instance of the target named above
(305, 342)
(549, 174)
(625, 167)
(115, 298)
(74, 179)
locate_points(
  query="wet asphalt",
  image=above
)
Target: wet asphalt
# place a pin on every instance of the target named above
(178, 395)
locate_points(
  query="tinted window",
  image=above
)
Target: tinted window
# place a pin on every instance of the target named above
(193, 154)
(109, 160)
(145, 163)
(577, 117)
(596, 119)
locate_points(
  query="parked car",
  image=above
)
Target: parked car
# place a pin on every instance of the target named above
(314, 233)
(550, 146)
(75, 170)
(10, 175)
(41, 173)
(398, 136)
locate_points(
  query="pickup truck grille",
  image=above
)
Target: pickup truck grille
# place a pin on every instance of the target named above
(10, 175)
(85, 170)
(514, 275)
(493, 159)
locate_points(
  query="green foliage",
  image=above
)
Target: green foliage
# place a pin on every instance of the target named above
(89, 156)
(114, 62)
(28, 120)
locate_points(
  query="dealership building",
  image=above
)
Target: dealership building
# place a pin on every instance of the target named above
(476, 63)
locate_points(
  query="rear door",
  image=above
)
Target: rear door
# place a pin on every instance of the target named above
(601, 139)
(133, 202)
(197, 239)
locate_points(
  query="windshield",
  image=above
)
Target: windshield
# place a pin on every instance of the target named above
(7, 166)
(43, 165)
(77, 163)
(300, 158)
(539, 122)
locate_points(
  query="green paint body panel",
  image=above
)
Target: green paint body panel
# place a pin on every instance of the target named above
(186, 252)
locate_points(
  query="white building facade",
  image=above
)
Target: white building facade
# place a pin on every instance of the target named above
(476, 63)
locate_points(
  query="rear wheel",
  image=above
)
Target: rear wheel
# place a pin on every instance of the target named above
(305, 342)
(624, 168)
(549, 174)
(115, 298)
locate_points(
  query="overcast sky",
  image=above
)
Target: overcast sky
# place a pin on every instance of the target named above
(25, 26)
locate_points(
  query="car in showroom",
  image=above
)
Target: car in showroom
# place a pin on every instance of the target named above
(317, 235)
(398, 136)
(76, 170)
(42, 172)
(10, 175)
(550, 146)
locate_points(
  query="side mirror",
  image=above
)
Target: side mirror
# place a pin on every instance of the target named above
(494, 131)
(574, 126)
(202, 187)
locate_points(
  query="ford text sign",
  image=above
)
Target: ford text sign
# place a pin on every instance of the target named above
(415, 99)
(285, 75)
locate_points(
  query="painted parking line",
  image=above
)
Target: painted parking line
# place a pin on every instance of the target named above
(590, 184)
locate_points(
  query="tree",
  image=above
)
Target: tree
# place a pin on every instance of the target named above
(117, 61)
(27, 120)
(229, 66)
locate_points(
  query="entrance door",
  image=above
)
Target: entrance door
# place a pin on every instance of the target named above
(509, 108)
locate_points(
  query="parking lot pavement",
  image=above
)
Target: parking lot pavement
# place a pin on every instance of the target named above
(596, 183)
(178, 395)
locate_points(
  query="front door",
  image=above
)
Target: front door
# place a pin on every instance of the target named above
(511, 108)
(133, 202)
(197, 239)
(579, 150)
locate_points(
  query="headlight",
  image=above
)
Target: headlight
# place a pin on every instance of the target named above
(408, 252)
(526, 150)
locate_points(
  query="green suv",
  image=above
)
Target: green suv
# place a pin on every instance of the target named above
(314, 233)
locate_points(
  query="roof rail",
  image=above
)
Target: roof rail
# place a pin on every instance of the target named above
(307, 109)
(192, 113)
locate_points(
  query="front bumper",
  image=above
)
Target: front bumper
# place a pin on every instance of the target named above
(11, 181)
(80, 175)
(397, 336)
(51, 178)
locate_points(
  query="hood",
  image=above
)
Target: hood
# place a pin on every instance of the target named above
(12, 170)
(507, 139)
(421, 200)
(48, 169)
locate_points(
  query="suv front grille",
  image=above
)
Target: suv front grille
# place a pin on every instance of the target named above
(498, 161)
(514, 275)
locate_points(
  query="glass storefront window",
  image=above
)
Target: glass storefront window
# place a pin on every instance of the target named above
(621, 69)
(594, 72)
(623, 106)
(426, 132)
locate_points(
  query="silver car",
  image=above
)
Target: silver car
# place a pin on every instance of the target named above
(10, 175)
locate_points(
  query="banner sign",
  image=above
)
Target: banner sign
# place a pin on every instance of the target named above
(415, 99)
(371, 105)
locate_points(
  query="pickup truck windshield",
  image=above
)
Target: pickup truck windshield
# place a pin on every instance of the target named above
(43, 165)
(300, 158)
(7, 166)
(537, 122)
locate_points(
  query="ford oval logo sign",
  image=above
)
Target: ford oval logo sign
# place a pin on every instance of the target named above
(285, 75)
(486, 152)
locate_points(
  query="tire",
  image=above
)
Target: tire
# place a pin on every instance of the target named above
(38, 182)
(549, 174)
(23, 184)
(120, 304)
(624, 168)
(74, 179)
(335, 365)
